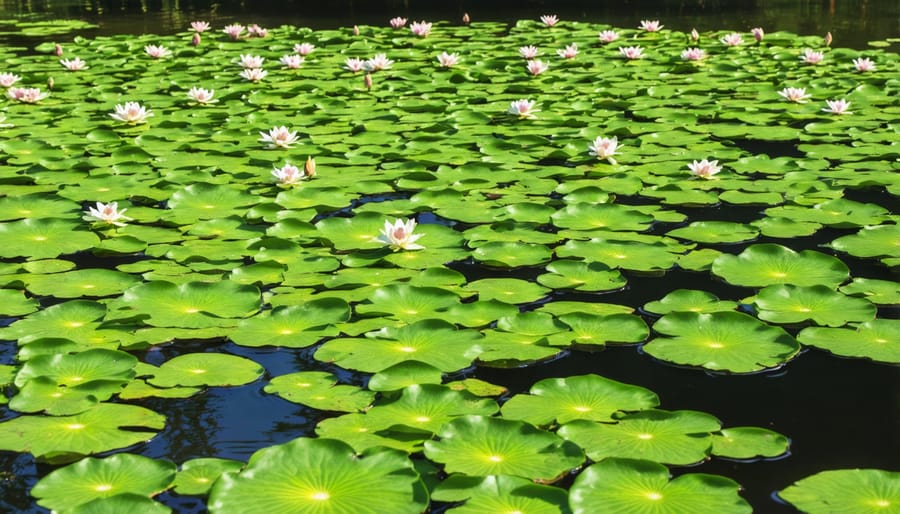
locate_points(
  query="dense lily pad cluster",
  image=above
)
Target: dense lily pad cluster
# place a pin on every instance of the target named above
(432, 150)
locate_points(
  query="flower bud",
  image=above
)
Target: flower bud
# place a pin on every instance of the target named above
(310, 167)
(466, 19)
(367, 80)
(57, 50)
(196, 39)
(828, 39)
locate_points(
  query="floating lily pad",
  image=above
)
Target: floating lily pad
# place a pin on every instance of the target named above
(511, 255)
(500, 494)
(320, 390)
(15, 303)
(404, 374)
(880, 241)
(689, 300)
(296, 326)
(748, 443)
(879, 292)
(581, 276)
(44, 238)
(196, 476)
(408, 303)
(846, 490)
(80, 283)
(593, 330)
(766, 264)
(122, 502)
(723, 341)
(192, 304)
(822, 305)
(206, 369)
(80, 368)
(715, 232)
(320, 475)
(427, 407)
(877, 339)
(626, 485)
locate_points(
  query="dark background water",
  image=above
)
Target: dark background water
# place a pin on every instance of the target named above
(853, 23)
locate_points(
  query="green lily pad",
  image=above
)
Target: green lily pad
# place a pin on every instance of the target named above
(122, 502)
(879, 292)
(482, 446)
(626, 485)
(589, 397)
(15, 303)
(320, 390)
(585, 216)
(320, 475)
(196, 476)
(295, 326)
(591, 330)
(880, 241)
(877, 339)
(766, 264)
(507, 290)
(630, 255)
(748, 443)
(44, 238)
(821, 304)
(404, 374)
(408, 303)
(512, 255)
(192, 304)
(689, 300)
(581, 276)
(206, 369)
(715, 232)
(91, 478)
(721, 341)
(79, 368)
(500, 494)
(80, 283)
(846, 490)
(427, 407)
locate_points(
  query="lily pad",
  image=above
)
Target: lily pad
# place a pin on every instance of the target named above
(689, 300)
(295, 326)
(767, 264)
(320, 390)
(748, 443)
(822, 305)
(846, 490)
(196, 476)
(500, 494)
(581, 276)
(192, 304)
(877, 339)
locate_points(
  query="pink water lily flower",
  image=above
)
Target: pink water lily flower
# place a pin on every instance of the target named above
(26, 95)
(399, 235)
(195, 39)
(704, 169)
(379, 62)
(604, 148)
(304, 48)
(733, 39)
(107, 213)
(8, 79)
(810, 56)
(251, 61)
(837, 106)
(254, 74)
(693, 54)
(157, 51)
(550, 19)
(257, 31)
(201, 95)
(536, 67)
(651, 25)
(279, 137)
(75, 64)
(199, 26)
(528, 52)
(398, 22)
(523, 109)
(291, 61)
(234, 30)
(608, 36)
(57, 50)
(354, 64)
(864, 64)
(288, 175)
(448, 60)
(131, 113)
(631, 52)
(569, 52)
(758, 34)
(420, 28)
(795, 94)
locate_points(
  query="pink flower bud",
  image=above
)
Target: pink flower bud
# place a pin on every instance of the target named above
(368, 81)
(58, 50)
(355, 30)
(196, 39)
(466, 19)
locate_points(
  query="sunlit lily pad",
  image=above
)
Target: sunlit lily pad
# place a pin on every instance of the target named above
(44, 238)
(822, 305)
(408, 303)
(320, 475)
(111, 366)
(594, 330)
(581, 276)
(500, 494)
(511, 254)
(295, 326)
(196, 476)
(846, 490)
(723, 341)
(880, 241)
(748, 443)
(482, 446)
(91, 478)
(877, 339)
(122, 502)
(427, 407)
(766, 264)
(404, 374)
(15, 303)
(626, 485)
(715, 232)
(80, 283)
(879, 292)
(631, 255)
(320, 390)
(193, 304)
(689, 300)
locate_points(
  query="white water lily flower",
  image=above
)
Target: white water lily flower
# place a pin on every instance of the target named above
(604, 148)
(201, 95)
(107, 213)
(279, 137)
(704, 169)
(399, 235)
(132, 113)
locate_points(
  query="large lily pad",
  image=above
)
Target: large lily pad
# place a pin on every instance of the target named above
(824, 306)
(500, 494)
(846, 490)
(192, 304)
(320, 390)
(877, 339)
(295, 326)
(206, 369)
(768, 264)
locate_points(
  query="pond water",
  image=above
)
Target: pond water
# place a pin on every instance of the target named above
(838, 412)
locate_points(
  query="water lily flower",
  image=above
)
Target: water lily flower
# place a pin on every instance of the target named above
(199, 26)
(448, 60)
(75, 64)
(398, 22)
(864, 64)
(201, 95)
(354, 64)
(733, 39)
(631, 52)
(604, 148)
(795, 94)
(304, 48)
(828, 39)
(693, 54)
(810, 56)
(536, 67)
(758, 34)
(704, 169)
(251, 61)
(549, 19)
(356, 30)
(651, 25)
(195, 39)
(379, 62)
(569, 52)
(837, 106)
(292, 61)
(234, 30)
(57, 50)
(279, 137)
(420, 28)
(131, 113)
(257, 31)
(695, 36)
(310, 167)
(523, 109)
(288, 175)
(254, 74)
(608, 36)
(107, 213)
(26, 95)
(528, 52)
(399, 235)
(367, 81)
(8, 79)
(157, 51)
(466, 19)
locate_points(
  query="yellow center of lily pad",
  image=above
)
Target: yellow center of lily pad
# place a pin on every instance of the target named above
(103, 488)
(778, 274)
(88, 286)
(582, 408)
(654, 496)
(285, 331)
(191, 310)
(715, 344)
(74, 426)
(319, 496)
(74, 324)
(645, 436)
(422, 419)
(407, 349)
(495, 458)
(40, 238)
(197, 371)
